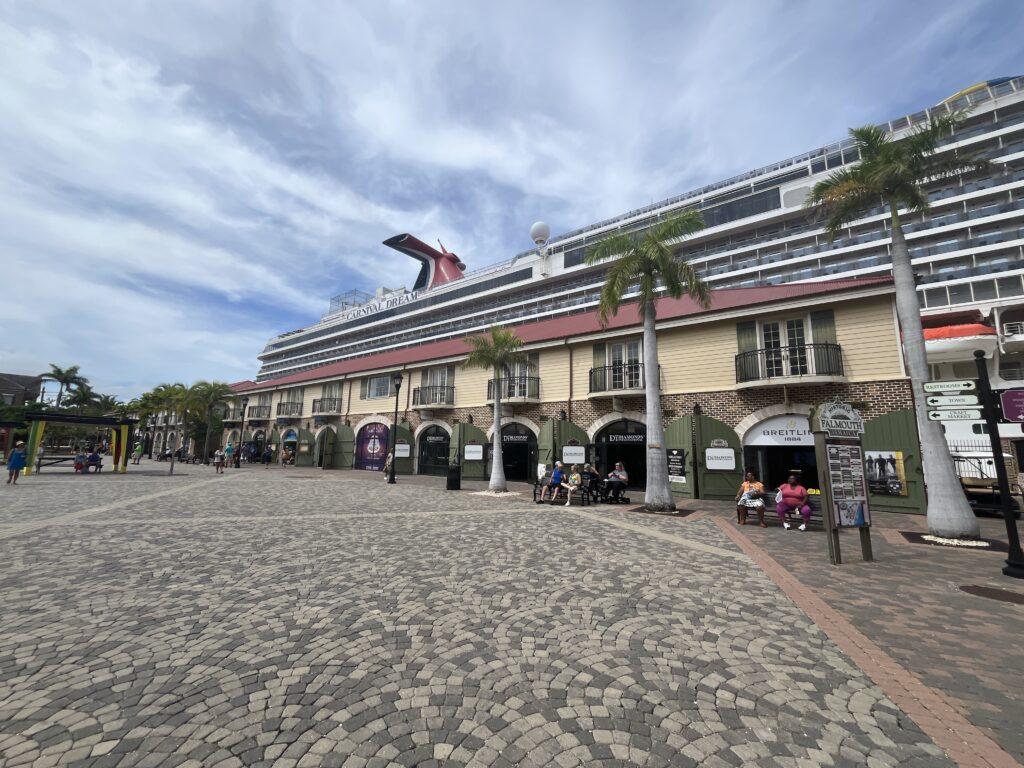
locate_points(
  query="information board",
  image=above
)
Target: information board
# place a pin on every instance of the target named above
(848, 484)
(676, 465)
(474, 453)
(402, 451)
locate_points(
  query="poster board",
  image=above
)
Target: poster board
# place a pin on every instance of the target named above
(574, 454)
(474, 453)
(403, 451)
(676, 465)
(720, 458)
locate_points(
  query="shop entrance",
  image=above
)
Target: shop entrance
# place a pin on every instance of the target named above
(259, 442)
(780, 446)
(518, 452)
(624, 441)
(290, 446)
(434, 445)
(372, 446)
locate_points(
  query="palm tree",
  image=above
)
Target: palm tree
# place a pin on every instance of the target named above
(83, 398)
(644, 262)
(171, 399)
(207, 397)
(65, 377)
(893, 172)
(107, 403)
(500, 353)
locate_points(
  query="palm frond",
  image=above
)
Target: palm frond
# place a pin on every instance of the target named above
(608, 248)
(621, 275)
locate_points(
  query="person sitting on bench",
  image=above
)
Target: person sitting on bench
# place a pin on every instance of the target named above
(80, 461)
(94, 461)
(616, 483)
(572, 483)
(750, 496)
(557, 476)
(794, 497)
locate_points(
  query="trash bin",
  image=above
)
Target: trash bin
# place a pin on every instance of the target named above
(454, 482)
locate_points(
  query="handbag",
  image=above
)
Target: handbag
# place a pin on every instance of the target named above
(778, 497)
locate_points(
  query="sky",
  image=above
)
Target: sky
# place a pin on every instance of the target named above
(181, 181)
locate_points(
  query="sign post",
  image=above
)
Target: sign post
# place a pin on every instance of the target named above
(1015, 557)
(837, 429)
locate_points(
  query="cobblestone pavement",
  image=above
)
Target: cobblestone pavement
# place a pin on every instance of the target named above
(266, 618)
(908, 601)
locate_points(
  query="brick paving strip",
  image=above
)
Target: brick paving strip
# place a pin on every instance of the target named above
(70, 517)
(934, 712)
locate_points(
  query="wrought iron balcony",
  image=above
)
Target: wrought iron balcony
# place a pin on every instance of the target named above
(259, 412)
(327, 405)
(289, 409)
(627, 378)
(808, 363)
(516, 389)
(433, 397)
(233, 414)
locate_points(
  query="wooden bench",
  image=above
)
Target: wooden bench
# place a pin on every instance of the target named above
(581, 498)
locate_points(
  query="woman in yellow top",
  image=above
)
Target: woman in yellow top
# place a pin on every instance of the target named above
(750, 496)
(573, 483)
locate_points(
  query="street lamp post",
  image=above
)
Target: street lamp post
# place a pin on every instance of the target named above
(241, 435)
(396, 379)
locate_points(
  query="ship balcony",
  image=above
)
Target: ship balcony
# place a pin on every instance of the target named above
(233, 414)
(289, 410)
(515, 389)
(617, 380)
(433, 398)
(778, 366)
(1013, 337)
(325, 406)
(259, 412)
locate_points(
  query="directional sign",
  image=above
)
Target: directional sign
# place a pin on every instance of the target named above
(950, 386)
(943, 401)
(1013, 405)
(955, 414)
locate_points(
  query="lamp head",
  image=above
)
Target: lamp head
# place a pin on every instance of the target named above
(245, 402)
(539, 233)
(396, 379)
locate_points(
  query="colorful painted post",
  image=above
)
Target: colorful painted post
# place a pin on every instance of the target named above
(35, 437)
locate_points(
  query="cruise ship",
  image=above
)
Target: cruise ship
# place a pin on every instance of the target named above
(967, 252)
(758, 242)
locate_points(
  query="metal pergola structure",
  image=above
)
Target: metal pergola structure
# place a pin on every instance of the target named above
(120, 429)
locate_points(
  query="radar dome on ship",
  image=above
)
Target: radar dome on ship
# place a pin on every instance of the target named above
(540, 232)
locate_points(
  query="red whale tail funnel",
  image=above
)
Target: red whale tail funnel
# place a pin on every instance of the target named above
(438, 267)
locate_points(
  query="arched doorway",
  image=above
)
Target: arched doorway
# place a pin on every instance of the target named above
(372, 446)
(433, 451)
(290, 445)
(624, 441)
(323, 450)
(518, 452)
(779, 446)
(259, 442)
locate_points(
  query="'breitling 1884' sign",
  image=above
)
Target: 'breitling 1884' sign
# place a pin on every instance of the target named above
(841, 420)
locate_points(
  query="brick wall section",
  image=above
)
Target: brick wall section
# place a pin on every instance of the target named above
(872, 398)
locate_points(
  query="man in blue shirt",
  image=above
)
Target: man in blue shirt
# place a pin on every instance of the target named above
(557, 476)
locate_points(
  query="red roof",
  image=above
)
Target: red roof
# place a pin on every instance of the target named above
(580, 324)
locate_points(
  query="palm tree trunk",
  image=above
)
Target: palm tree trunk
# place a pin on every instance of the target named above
(497, 482)
(658, 496)
(60, 393)
(206, 442)
(949, 514)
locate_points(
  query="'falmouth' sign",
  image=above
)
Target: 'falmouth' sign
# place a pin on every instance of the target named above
(841, 420)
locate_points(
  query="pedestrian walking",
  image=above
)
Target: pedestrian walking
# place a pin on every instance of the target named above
(229, 452)
(16, 463)
(218, 461)
(137, 453)
(268, 456)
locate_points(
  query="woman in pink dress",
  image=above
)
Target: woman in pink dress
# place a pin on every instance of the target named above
(794, 497)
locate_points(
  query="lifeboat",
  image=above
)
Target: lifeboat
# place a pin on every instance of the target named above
(956, 343)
